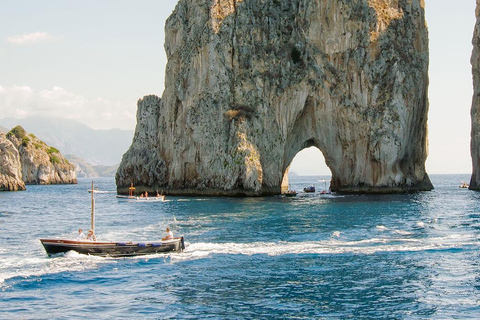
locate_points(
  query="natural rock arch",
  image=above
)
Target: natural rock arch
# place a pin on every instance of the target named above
(250, 83)
(289, 159)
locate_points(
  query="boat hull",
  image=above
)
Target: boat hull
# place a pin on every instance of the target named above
(140, 199)
(112, 249)
(309, 189)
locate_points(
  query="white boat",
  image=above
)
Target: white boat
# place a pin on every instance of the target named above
(142, 197)
(159, 198)
(98, 191)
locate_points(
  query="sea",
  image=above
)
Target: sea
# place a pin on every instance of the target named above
(313, 256)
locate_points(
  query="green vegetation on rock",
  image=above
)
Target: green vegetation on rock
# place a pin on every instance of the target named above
(18, 132)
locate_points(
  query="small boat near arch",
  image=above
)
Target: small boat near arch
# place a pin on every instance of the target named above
(309, 189)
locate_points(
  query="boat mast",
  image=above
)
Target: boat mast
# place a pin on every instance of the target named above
(92, 220)
(131, 189)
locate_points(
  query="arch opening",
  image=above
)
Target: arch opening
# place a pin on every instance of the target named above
(308, 166)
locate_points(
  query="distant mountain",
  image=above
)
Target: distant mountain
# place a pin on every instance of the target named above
(97, 147)
(3, 129)
(86, 170)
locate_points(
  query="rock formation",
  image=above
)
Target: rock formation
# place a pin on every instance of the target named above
(40, 164)
(250, 83)
(475, 112)
(10, 167)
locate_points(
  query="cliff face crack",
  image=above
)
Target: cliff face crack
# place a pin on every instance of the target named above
(268, 78)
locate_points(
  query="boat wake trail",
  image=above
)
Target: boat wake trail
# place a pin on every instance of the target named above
(329, 247)
(23, 267)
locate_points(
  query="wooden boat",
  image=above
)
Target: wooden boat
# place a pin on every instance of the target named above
(112, 249)
(309, 189)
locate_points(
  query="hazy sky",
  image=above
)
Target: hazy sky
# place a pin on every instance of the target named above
(91, 60)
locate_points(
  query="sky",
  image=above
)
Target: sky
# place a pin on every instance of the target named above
(91, 60)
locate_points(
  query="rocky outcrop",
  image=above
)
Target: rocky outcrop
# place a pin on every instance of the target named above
(475, 111)
(40, 164)
(143, 162)
(10, 167)
(250, 83)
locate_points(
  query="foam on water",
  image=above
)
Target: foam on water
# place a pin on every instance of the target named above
(329, 247)
(25, 267)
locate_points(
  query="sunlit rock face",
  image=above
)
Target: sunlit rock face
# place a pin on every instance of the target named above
(40, 163)
(10, 167)
(250, 83)
(475, 112)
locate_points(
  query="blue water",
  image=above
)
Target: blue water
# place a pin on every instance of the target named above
(310, 257)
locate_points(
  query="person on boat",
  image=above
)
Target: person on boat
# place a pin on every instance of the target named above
(81, 236)
(91, 235)
(169, 235)
(146, 194)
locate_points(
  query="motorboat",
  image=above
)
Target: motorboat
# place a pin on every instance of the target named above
(144, 197)
(309, 189)
(158, 198)
(290, 193)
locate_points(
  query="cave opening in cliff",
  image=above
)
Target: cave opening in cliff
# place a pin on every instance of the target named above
(307, 162)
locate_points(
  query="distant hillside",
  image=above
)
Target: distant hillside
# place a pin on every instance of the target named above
(86, 170)
(3, 129)
(98, 147)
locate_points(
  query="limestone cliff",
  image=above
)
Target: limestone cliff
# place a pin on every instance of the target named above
(10, 167)
(475, 111)
(40, 164)
(250, 83)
